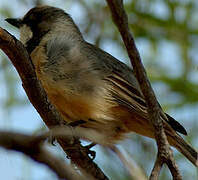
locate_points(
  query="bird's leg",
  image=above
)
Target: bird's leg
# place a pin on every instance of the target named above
(88, 147)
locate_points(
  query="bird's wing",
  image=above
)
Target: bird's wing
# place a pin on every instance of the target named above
(125, 88)
(125, 94)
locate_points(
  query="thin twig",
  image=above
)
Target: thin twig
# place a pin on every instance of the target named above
(66, 132)
(120, 19)
(156, 169)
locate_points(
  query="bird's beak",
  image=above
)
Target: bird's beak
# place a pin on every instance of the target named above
(14, 21)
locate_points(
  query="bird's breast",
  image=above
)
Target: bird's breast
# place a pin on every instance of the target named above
(77, 94)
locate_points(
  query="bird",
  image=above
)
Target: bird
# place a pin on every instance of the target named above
(88, 86)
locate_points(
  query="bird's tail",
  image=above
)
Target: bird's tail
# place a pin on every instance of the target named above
(179, 143)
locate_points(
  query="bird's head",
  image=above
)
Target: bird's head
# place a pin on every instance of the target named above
(41, 20)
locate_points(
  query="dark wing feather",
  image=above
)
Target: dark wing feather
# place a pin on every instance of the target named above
(176, 125)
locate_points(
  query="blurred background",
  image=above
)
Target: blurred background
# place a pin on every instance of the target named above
(166, 34)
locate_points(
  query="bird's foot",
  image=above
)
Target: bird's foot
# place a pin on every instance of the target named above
(90, 152)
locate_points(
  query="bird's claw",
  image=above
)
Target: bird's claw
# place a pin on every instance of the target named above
(90, 152)
(51, 140)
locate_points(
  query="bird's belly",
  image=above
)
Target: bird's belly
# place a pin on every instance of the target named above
(72, 107)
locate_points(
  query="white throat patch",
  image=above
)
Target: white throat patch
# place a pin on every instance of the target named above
(25, 34)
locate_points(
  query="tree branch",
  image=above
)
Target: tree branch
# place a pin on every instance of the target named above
(37, 96)
(33, 148)
(165, 154)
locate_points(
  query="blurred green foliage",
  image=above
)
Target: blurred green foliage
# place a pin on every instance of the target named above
(166, 32)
